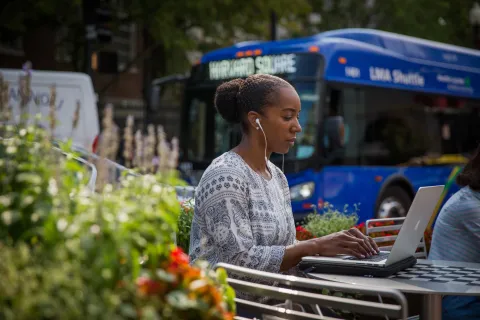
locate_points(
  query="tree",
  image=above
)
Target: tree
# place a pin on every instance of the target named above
(172, 27)
(438, 20)
(444, 21)
(179, 26)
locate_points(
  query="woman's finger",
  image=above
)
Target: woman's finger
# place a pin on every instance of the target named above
(357, 247)
(366, 242)
(374, 244)
(352, 252)
(355, 232)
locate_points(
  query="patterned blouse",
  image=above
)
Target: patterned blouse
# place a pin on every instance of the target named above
(240, 217)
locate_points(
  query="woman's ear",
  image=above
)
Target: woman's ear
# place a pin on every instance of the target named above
(252, 117)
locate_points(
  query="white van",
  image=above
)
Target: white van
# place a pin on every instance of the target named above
(70, 88)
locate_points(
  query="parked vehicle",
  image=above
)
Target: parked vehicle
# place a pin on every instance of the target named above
(71, 88)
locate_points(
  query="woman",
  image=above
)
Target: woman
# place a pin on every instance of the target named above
(243, 214)
(456, 236)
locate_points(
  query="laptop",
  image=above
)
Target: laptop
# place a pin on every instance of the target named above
(386, 263)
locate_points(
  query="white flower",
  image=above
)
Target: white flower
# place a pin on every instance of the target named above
(73, 229)
(52, 187)
(95, 229)
(7, 217)
(5, 201)
(62, 225)
(35, 217)
(157, 189)
(123, 217)
(11, 149)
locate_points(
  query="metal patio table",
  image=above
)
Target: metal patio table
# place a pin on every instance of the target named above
(432, 279)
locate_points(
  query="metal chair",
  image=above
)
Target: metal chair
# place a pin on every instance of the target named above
(381, 241)
(305, 291)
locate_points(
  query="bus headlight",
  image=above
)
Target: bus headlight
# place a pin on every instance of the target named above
(302, 191)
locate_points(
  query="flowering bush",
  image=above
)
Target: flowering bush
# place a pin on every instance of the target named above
(179, 288)
(329, 221)
(69, 253)
(185, 224)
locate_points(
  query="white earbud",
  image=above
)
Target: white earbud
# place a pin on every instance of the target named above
(266, 160)
(259, 125)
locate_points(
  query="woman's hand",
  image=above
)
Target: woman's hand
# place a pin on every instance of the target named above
(351, 242)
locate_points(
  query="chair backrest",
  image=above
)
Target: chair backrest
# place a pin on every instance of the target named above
(374, 227)
(309, 292)
(185, 192)
(90, 166)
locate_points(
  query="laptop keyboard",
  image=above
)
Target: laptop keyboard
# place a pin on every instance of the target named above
(375, 258)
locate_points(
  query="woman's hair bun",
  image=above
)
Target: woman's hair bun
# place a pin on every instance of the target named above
(226, 100)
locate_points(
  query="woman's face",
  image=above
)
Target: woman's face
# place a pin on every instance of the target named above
(280, 121)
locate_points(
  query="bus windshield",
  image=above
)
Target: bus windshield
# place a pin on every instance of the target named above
(207, 135)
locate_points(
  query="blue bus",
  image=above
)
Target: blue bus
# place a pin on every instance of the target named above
(382, 115)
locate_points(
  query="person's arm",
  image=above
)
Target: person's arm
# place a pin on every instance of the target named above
(294, 254)
(470, 221)
(328, 245)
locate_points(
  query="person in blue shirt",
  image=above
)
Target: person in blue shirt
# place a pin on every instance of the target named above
(456, 236)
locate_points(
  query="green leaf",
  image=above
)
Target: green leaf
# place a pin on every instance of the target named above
(222, 275)
(30, 178)
(165, 276)
(180, 300)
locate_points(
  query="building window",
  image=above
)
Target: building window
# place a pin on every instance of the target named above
(125, 44)
(63, 50)
(10, 44)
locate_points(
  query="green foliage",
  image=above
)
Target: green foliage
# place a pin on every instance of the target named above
(170, 23)
(69, 253)
(28, 184)
(444, 20)
(177, 27)
(33, 285)
(219, 20)
(331, 220)
(185, 224)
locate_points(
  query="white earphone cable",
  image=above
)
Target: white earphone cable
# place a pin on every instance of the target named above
(266, 160)
(265, 137)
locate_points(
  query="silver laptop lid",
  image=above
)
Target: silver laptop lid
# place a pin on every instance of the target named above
(415, 223)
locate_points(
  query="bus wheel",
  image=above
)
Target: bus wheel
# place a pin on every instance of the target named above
(394, 203)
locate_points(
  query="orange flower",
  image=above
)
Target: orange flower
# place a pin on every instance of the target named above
(120, 284)
(148, 286)
(192, 274)
(216, 296)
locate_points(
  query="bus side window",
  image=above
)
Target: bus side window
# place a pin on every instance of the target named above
(335, 128)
